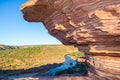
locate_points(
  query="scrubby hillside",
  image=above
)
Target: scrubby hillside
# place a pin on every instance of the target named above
(35, 56)
(4, 47)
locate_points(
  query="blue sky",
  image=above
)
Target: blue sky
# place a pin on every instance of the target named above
(14, 30)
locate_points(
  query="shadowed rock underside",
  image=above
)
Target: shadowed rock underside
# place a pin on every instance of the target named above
(91, 25)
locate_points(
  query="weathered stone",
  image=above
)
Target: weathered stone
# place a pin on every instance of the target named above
(91, 25)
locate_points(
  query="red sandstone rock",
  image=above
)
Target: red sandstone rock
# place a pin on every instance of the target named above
(81, 59)
(92, 25)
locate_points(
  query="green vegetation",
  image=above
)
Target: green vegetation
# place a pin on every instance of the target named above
(77, 54)
(78, 68)
(26, 57)
(33, 56)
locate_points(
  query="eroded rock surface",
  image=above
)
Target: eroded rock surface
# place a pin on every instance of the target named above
(91, 25)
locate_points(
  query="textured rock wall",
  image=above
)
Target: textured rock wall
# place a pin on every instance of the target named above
(91, 25)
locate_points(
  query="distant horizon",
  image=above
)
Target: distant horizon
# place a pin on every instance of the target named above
(14, 30)
(31, 45)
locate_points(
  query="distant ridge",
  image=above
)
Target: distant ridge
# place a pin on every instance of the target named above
(5, 47)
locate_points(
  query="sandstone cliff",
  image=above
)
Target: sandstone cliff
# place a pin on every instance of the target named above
(91, 25)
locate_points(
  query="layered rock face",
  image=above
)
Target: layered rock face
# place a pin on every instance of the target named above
(91, 25)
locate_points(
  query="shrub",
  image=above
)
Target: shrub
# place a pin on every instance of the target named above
(78, 68)
(77, 54)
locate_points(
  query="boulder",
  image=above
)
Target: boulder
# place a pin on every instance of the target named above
(91, 25)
